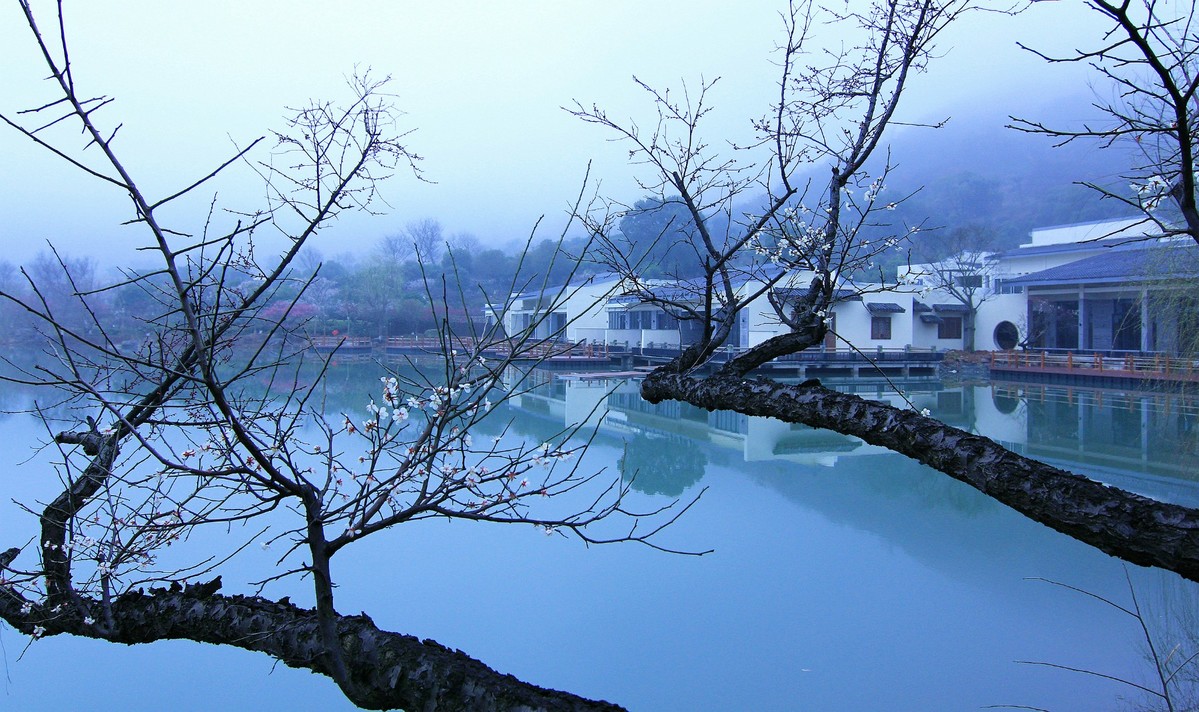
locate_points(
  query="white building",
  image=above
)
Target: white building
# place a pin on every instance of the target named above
(574, 312)
(1085, 286)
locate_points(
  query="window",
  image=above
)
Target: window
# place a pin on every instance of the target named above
(950, 327)
(1007, 335)
(1002, 287)
(665, 321)
(618, 320)
(880, 327)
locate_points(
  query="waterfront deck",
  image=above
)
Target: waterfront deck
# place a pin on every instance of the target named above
(549, 353)
(1072, 367)
(903, 362)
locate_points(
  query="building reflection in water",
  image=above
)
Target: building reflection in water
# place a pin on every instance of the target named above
(1142, 441)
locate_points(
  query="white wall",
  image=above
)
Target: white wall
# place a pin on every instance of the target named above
(997, 308)
(1088, 231)
(583, 304)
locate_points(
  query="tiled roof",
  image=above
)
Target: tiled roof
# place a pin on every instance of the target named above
(577, 281)
(840, 295)
(1090, 246)
(884, 308)
(1131, 263)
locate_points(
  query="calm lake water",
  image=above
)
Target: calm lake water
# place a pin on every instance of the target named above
(844, 577)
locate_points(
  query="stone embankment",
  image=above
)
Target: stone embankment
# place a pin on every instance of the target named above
(965, 366)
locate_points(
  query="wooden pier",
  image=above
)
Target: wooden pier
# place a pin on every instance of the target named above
(551, 354)
(560, 355)
(1094, 367)
(818, 362)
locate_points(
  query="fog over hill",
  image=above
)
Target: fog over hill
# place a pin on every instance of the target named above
(975, 172)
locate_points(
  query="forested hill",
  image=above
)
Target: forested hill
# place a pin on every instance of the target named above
(975, 173)
(971, 175)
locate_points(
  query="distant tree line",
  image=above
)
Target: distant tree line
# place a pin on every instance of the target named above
(419, 275)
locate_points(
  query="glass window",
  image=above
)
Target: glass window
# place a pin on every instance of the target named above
(880, 327)
(950, 327)
(618, 320)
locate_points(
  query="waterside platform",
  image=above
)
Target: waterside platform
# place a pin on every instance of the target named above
(819, 362)
(1099, 369)
(634, 360)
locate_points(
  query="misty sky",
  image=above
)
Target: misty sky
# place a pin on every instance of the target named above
(482, 84)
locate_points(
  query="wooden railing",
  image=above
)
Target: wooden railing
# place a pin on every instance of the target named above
(355, 343)
(1151, 366)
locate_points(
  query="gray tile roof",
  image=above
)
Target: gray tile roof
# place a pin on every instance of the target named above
(1130, 263)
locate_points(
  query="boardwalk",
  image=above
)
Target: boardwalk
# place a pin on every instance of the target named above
(905, 362)
(564, 354)
(1095, 366)
(544, 351)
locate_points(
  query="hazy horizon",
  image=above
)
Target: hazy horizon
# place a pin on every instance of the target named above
(482, 84)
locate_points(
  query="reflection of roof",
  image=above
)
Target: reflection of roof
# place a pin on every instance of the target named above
(815, 441)
(1136, 263)
(884, 308)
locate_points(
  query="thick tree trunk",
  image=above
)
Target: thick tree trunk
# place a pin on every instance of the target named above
(1134, 528)
(389, 670)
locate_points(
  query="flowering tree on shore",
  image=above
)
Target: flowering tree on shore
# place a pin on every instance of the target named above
(218, 418)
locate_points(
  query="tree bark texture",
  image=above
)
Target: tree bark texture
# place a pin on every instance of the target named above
(1134, 528)
(389, 670)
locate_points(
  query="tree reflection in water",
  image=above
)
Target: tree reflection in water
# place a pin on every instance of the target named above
(661, 464)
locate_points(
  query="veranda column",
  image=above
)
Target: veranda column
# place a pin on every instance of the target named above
(1084, 334)
(1146, 337)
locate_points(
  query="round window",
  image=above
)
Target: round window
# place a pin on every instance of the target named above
(1006, 335)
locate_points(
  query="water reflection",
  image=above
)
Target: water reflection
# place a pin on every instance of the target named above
(1141, 441)
(1144, 441)
(1142, 432)
(845, 577)
(661, 464)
